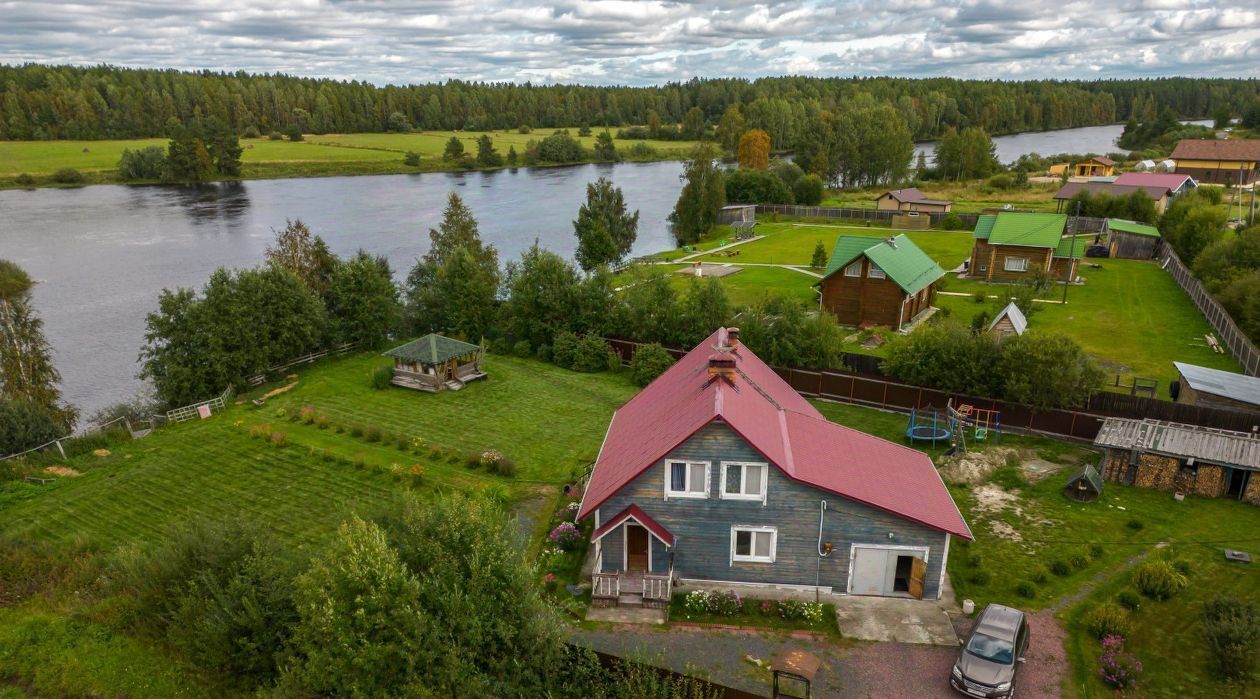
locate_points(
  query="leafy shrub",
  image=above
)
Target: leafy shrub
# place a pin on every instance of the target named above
(1136, 525)
(373, 434)
(25, 179)
(1232, 628)
(25, 425)
(1079, 561)
(500, 346)
(591, 354)
(356, 432)
(979, 577)
(951, 222)
(1107, 619)
(402, 443)
(412, 158)
(322, 422)
(1183, 566)
(747, 186)
(306, 414)
(696, 602)
(381, 376)
(278, 439)
(252, 131)
(566, 535)
(1025, 589)
(522, 349)
(67, 175)
(472, 459)
(506, 468)
(143, 163)
(1119, 668)
(1040, 575)
(1060, 568)
(1129, 599)
(1096, 551)
(565, 349)
(649, 362)
(275, 136)
(725, 603)
(1001, 181)
(260, 431)
(544, 353)
(1158, 580)
(808, 190)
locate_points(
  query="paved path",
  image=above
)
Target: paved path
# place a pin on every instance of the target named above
(700, 253)
(793, 268)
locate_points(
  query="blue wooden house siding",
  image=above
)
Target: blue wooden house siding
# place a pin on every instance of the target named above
(702, 527)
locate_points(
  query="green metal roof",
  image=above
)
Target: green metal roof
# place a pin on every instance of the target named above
(1119, 224)
(1090, 475)
(984, 226)
(432, 349)
(1073, 246)
(904, 263)
(1028, 230)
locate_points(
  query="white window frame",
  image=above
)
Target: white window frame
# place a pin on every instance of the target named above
(874, 271)
(687, 494)
(753, 558)
(853, 269)
(1022, 267)
(743, 479)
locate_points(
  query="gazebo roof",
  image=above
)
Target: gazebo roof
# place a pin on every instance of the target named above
(432, 349)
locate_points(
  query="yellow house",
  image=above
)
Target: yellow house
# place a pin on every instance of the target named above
(1095, 167)
(1219, 162)
(1058, 169)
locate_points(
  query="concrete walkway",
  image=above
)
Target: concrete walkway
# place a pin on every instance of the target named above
(793, 268)
(895, 620)
(626, 615)
(701, 253)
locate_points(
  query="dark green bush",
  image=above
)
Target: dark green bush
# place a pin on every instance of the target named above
(373, 434)
(411, 158)
(1183, 566)
(544, 353)
(25, 425)
(381, 376)
(1158, 580)
(1026, 589)
(275, 136)
(251, 131)
(564, 349)
(951, 222)
(808, 190)
(143, 163)
(1129, 599)
(649, 362)
(1060, 568)
(522, 349)
(591, 354)
(1136, 525)
(1096, 551)
(67, 175)
(979, 577)
(1108, 619)
(1232, 627)
(25, 179)
(1040, 575)
(500, 346)
(1079, 561)
(356, 432)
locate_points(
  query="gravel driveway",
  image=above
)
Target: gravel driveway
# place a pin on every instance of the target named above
(859, 670)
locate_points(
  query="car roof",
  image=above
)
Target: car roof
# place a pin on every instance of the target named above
(999, 621)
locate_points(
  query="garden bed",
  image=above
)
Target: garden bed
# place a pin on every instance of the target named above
(733, 611)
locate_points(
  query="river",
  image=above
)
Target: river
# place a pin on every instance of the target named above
(1088, 139)
(101, 254)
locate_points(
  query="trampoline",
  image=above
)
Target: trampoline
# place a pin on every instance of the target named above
(920, 429)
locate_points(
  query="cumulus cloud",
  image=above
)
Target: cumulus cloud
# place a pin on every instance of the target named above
(642, 41)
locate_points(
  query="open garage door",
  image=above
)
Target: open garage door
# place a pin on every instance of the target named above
(888, 571)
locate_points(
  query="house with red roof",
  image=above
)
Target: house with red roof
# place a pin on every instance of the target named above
(1177, 183)
(719, 471)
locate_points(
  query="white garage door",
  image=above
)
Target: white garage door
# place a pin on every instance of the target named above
(870, 572)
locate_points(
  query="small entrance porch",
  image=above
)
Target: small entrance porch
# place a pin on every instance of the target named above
(634, 562)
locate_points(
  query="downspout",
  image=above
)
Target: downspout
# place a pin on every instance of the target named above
(822, 553)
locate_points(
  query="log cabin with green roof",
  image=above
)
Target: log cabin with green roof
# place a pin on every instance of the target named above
(1014, 246)
(436, 363)
(870, 281)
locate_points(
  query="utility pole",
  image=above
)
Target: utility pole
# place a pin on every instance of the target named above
(1067, 278)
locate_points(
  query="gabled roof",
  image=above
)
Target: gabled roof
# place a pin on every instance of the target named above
(1028, 229)
(775, 420)
(1171, 180)
(1101, 160)
(638, 515)
(984, 226)
(1088, 474)
(1069, 190)
(1226, 384)
(1242, 150)
(1119, 224)
(1184, 441)
(432, 349)
(904, 263)
(911, 195)
(1018, 321)
(1072, 246)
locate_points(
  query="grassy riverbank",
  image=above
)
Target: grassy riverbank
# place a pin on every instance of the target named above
(318, 156)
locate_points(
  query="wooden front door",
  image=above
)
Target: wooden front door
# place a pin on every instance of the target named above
(918, 572)
(636, 548)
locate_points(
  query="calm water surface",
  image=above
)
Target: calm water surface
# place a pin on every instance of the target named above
(102, 254)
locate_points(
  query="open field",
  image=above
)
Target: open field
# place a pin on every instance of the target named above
(549, 421)
(318, 155)
(968, 197)
(793, 243)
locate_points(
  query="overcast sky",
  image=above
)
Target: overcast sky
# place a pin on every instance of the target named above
(637, 43)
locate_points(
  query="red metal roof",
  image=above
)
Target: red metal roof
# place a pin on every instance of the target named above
(776, 421)
(1170, 180)
(637, 514)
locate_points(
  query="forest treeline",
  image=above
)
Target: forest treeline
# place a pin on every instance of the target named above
(39, 102)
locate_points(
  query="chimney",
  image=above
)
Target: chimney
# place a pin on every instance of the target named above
(722, 366)
(732, 337)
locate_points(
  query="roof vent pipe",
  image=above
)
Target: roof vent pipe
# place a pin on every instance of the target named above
(732, 337)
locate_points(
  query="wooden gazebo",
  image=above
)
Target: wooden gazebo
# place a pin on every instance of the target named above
(436, 363)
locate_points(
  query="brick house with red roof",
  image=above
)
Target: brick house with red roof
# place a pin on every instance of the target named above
(719, 471)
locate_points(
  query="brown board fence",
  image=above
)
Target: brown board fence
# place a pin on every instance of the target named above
(1243, 349)
(1084, 224)
(1083, 424)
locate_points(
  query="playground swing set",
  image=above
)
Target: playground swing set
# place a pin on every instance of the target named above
(931, 425)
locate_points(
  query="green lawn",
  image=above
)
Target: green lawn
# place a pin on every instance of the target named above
(549, 421)
(793, 243)
(751, 284)
(969, 197)
(1130, 314)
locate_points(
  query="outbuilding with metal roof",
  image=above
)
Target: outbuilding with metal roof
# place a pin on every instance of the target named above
(873, 281)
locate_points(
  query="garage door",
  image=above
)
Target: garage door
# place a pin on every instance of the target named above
(870, 572)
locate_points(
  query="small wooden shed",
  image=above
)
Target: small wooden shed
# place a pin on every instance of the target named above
(436, 363)
(1085, 485)
(1131, 240)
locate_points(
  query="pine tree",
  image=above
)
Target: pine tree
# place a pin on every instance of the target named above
(26, 369)
(454, 149)
(605, 149)
(487, 156)
(428, 306)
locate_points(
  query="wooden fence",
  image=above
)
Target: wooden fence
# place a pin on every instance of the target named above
(189, 412)
(1243, 349)
(259, 379)
(875, 390)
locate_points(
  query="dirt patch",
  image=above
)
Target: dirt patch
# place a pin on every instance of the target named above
(64, 471)
(1035, 470)
(974, 467)
(278, 391)
(102, 452)
(1002, 530)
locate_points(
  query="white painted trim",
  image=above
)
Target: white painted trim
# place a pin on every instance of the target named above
(940, 586)
(688, 494)
(1006, 264)
(927, 550)
(625, 550)
(632, 518)
(751, 558)
(851, 265)
(743, 478)
(775, 586)
(874, 271)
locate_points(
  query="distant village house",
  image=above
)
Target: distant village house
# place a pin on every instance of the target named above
(1160, 194)
(872, 281)
(1098, 166)
(1013, 246)
(1235, 162)
(911, 199)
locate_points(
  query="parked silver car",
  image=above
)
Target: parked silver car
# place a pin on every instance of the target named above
(991, 656)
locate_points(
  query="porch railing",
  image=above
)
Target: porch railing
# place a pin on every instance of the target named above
(657, 587)
(605, 586)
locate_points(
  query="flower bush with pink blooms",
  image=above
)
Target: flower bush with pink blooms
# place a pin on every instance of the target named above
(1120, 669)
(565, 534)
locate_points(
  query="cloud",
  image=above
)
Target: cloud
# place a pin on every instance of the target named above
(642, 42)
